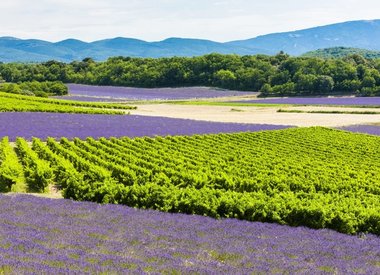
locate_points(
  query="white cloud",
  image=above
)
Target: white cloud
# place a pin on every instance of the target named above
(220, 20)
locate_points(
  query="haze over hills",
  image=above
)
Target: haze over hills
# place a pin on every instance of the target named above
(31, 50)
(363, 34)
(355, 34)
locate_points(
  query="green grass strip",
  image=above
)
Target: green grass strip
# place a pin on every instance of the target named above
(330, 112)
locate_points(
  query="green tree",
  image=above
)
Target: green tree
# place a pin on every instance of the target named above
(225, 79)
(324, 84)
(305, 82)
(369, 82)
(266, 90)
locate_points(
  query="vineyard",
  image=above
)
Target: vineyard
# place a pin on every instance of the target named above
(315, 177)
(22, 103)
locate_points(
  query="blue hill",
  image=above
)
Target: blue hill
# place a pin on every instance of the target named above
(353, 34)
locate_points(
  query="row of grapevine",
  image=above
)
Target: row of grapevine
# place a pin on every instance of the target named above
(63, 102)
(64, 171)
(309, 176)
(29, 104)
(315, 177)
(38, 173)
(11, 170)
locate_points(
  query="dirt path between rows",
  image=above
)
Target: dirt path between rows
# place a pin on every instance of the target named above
(258, 115)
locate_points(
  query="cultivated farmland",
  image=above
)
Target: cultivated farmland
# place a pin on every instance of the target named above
(367, 129)
(44, 125)
(342, 101)
(257, 114)
(315, 177)
(265, 185)
(66, 237)
(22, 103)
(101, 93)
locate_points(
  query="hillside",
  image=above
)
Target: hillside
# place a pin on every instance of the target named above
(340, 52)
(353, 34)
(31, 50)
(357, 34)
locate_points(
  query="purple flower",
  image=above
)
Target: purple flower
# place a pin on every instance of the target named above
(367, 129)
(109, 93)
(45, 125)
(39, 235)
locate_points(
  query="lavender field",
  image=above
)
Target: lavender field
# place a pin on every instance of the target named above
(49, 236)
(108, 93)
(349, 101)
(366, 129)
(45, 125)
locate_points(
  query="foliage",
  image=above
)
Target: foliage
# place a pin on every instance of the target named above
(41, 89)
(315, 177)
(22, 103)
(11, 171)
(38, 173)
(341, 52)
(273, 75)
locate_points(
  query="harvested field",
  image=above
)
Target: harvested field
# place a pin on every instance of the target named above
(256, 115)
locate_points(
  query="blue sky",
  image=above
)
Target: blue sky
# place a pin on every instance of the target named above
(153, 20)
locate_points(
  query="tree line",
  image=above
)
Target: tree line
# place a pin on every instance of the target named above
(35, 88)
(279, 75)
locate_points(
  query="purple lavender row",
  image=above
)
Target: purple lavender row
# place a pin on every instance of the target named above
(350, 101)
(90, 98)
(109, 93)
(367, 129)
(49, 236)
(43, 125)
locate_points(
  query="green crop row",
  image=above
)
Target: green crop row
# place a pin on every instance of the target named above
(11, 170)
(314, 177)
(64, 102)
(328, 112)
(38, 172)
(33, 104)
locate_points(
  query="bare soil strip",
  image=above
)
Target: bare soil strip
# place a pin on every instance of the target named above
(259, 115)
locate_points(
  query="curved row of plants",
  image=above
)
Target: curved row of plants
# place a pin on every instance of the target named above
(314, 177)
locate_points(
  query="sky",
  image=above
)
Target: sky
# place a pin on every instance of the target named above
(154, 20)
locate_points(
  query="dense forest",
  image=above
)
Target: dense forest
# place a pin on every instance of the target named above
(279, 75)
(341, 52)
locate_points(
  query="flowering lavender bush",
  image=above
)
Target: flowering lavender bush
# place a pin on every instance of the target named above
(108, 93)
(90, 98)
(39, 235)
(351, 101)
(367, 129)
(43, 125)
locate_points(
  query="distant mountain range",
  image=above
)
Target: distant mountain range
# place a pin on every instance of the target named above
(339, 52)
(355, 34)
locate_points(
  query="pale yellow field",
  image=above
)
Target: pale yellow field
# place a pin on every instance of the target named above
(260, 115)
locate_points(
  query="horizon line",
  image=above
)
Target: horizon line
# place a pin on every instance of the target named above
(184, 38)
